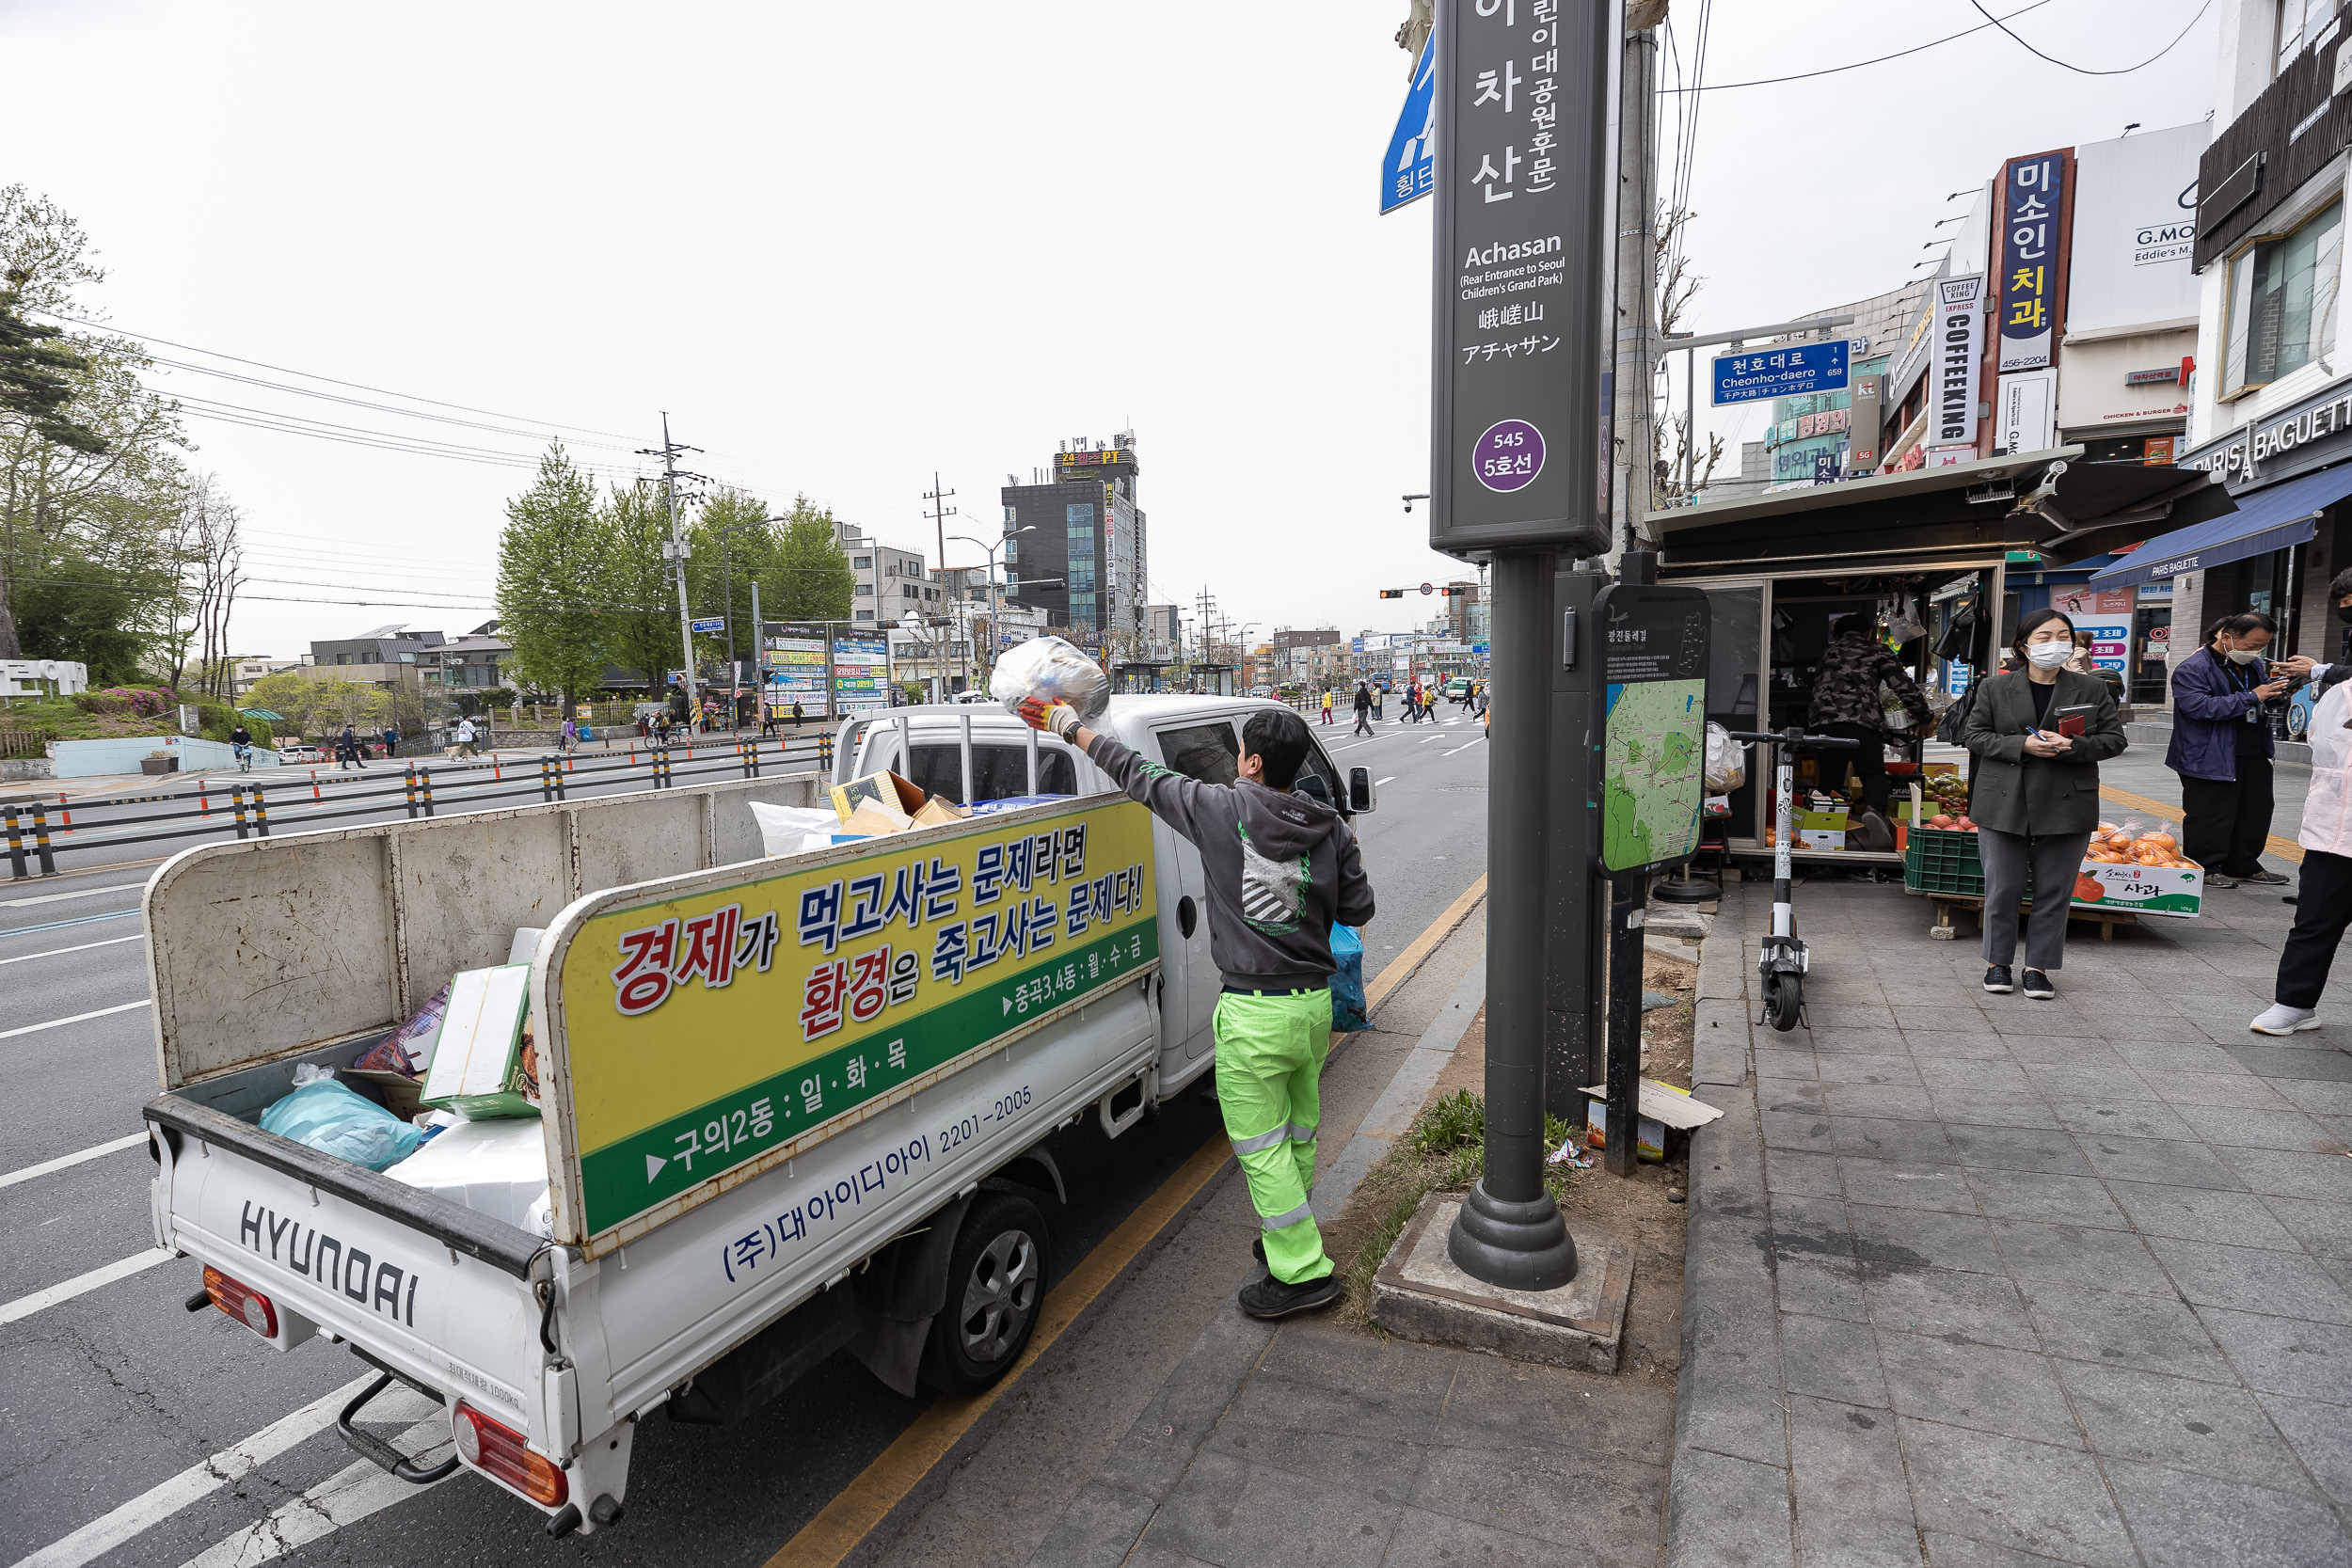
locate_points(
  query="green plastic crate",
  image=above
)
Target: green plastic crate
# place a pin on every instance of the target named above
(1943, 860)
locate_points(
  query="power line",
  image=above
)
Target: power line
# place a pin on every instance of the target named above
(1832, 70)
(2085, 71)
(309, 375)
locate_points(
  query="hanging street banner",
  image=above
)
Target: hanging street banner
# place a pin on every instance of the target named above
(1784, 371)
(734, 1026)
(1653, 644)
(2033, 250)
(1409, 172)
(1526, 186)
(1958, 334)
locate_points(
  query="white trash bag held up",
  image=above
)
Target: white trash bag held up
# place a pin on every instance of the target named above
(1053, 671)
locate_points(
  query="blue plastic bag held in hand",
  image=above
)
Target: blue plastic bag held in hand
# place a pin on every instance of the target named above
(322, 1115)
(1347, 982)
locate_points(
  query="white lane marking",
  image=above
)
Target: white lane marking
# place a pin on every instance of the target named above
(1358, 743)
(61, 952)
(346, 1497)
(64, 1161)
(198, 1481)
(55, 1022)
(78, 893)
(1429, 738)
(1481, 740)
(25, 1306)
(1377, 783)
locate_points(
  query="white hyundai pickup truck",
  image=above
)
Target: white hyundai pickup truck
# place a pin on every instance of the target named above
(790, 1103)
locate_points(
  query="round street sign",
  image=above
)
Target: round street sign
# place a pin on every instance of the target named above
(1508, 456)
(1428, 588)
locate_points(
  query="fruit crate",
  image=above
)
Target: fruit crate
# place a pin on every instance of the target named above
(1944, 860)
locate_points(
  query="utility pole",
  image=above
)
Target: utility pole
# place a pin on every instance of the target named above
(1636, 302)
(678, 552)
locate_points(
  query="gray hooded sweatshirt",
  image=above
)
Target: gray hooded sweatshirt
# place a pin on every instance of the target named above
(1280, 869)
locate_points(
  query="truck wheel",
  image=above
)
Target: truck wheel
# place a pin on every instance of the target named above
(996, 1281)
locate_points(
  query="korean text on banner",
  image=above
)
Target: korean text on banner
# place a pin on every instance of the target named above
(2032, 212)
(732, 1026)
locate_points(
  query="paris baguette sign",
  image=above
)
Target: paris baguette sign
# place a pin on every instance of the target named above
(2323, 423)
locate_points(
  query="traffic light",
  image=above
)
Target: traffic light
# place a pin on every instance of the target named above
(1393, 593)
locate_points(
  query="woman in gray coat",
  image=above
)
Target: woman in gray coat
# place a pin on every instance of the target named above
(2038, 734)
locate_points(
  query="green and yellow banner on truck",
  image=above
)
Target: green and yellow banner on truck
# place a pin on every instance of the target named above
(712, 1033)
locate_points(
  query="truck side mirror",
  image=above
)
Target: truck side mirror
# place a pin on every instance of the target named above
(1360, 795)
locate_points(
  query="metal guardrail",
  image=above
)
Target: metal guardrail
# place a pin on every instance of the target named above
(32, 840)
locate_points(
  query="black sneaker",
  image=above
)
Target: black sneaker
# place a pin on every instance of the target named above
(1996, 980)
(1272, 1298)
(2268, 879)
(2215, 879)
(2038, 986)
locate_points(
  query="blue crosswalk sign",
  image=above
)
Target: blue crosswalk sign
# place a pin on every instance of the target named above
(1410, 171)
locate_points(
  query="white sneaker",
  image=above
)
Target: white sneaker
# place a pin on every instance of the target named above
(2283, 1019)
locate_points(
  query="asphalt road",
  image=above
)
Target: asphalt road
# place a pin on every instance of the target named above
(177, 811)
(116, 1401)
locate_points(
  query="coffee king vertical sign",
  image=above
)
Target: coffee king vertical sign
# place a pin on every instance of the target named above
(1957, 333)
(1525, 102)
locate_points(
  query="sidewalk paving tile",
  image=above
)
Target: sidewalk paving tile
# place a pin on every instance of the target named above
(2011, 1493)
(2200, 1427)
(2196, 1521)
(2103, 1247)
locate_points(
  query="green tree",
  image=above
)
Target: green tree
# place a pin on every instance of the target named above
(642, 627)
(812, 580)
(294, 696)
(725, 564)
(554, 572)
(90, 479)
(354, 703)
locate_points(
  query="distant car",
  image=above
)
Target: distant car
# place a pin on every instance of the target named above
(1458, 687)
(1262, 692)
(971, 697)
(298, 751)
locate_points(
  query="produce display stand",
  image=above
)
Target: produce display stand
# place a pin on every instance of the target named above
(1945, 903)
(1941, 864)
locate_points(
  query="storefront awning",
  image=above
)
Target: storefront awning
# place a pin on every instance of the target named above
(2267, 519)
(2050, 501)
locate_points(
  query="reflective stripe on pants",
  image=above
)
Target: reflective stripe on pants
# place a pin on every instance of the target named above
(1269, 1067)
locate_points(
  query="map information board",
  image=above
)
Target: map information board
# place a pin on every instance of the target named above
(1653, 642)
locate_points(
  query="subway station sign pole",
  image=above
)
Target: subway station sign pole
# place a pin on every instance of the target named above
(1519, 462)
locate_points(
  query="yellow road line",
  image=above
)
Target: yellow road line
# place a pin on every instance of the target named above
(2286, 849)
(1400, 969)
(860, 1507)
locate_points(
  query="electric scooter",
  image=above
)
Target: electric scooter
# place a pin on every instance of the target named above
(1783, 962)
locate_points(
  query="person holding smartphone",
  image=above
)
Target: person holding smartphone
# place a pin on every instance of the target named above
(2323, 909)
(2038, 733)
(2221, 749)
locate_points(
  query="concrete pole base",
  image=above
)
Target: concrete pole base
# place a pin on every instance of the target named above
(1421, 1294)
(1518, 1246)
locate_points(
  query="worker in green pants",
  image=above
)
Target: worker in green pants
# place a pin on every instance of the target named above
(1280, 866)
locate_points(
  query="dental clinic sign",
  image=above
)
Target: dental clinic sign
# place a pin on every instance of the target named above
(2312, 435)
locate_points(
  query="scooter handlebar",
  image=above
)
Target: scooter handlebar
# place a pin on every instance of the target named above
(1781, 738)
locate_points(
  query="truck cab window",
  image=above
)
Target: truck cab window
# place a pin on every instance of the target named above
(1317, 778)
(998, 772)
(1208, 752)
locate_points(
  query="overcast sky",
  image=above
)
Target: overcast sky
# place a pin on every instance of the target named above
(845, 246)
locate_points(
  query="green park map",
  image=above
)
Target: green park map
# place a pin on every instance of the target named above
(1652, 767)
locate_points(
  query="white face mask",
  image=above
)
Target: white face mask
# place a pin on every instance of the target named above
(2049, 656)
(2243, 656)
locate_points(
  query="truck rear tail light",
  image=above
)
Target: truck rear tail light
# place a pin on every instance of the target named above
(499, 1451)
(242, 1302)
